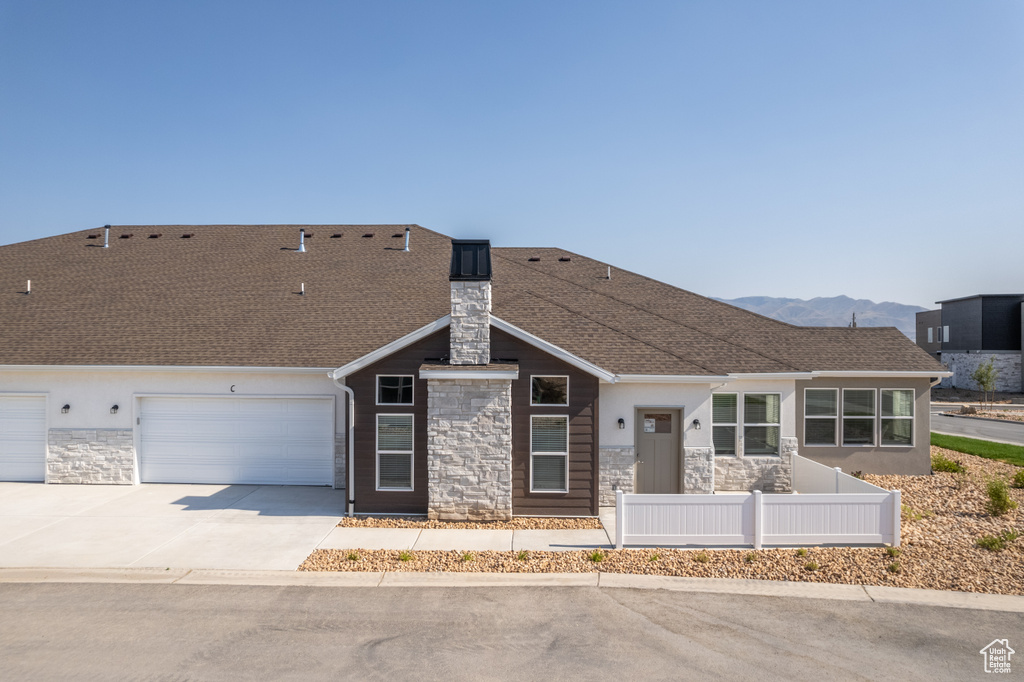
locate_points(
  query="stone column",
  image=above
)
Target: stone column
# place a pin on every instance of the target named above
(698, 470)
(469, 449)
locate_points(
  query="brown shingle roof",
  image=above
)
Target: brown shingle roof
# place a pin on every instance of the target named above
(229, 296)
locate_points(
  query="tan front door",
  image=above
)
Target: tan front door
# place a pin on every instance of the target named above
(657, 454)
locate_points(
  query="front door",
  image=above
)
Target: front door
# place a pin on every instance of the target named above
(657, 453)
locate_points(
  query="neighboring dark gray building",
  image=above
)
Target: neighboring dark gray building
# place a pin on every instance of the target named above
(929, 331)
(977, 328)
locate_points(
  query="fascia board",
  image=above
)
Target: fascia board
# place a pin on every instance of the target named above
(670, 379)
(869, 373)
(164, 368)
(389, 348)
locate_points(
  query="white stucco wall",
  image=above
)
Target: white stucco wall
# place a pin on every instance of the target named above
(622, 400)
(92, 393)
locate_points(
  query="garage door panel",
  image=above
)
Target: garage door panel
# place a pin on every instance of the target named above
(237, 440)
(22, 438)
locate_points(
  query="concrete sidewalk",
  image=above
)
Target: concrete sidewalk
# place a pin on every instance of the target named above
(465, 540)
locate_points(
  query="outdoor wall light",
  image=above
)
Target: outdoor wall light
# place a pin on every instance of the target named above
(696, 424)
(113, 410)
(65, 409)
(622, 423)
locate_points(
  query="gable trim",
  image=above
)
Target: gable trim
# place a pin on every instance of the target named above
(551, 349)
(389, 348)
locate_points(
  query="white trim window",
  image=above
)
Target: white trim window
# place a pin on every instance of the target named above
(762, 420)
(549, 454)
(945, 334)
(394, 451)
(394, 389)
(549, 390)
(931, 335)
(858, 416)
(821, 416)
(897, 417)
(724, 422)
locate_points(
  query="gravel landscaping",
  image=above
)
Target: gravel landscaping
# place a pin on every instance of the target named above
(1002, 415)
(518, 523)
(944, 516)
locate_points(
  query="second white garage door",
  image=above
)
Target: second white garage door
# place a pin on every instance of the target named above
(22, 438)
(271, 441)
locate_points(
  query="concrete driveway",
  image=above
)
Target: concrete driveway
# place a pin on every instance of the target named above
(245, 527)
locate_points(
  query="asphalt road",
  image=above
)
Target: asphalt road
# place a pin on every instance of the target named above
(178, 632)
(1006, 432)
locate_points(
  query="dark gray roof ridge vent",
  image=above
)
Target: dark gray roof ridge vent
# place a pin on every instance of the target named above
(471, 260)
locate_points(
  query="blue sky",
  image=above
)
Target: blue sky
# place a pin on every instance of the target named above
(874, 149)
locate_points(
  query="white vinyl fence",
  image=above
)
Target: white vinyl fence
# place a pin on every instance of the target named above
(825, 508)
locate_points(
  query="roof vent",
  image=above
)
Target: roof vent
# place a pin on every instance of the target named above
(92, 236)
(188, 235)
(302, 240)
(336, 235)
(156, 236)
(397, 236)
(368, 235)
(533, 259)
(127, 236)
(564, 259)
(471, 260)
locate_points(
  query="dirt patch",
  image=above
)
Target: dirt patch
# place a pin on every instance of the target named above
(518, 523)
(944, 516)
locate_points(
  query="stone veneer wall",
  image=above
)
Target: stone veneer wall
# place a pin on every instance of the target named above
(617, 466)
(699, 470)
(340, 460)
(963, 365)
(471, 323)
(90, 456)
(765, 473)
(469, 449)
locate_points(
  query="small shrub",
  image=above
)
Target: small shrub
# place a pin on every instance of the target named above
(352, 556)
(802, 551)
(468, 556)
(892, 551)
(968, 409)
(523, 555)
(405, 556)
(811, 566)
(596, 556)
(654, 557)
(947, 465)
(702, 557)
(912, 515)
(997, 543)
(894, 567)
(750, 558)
(1018, 479)
(999, 501)
(857, 474)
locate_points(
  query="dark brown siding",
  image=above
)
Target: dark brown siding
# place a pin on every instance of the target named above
(581, 500)
(364, 384)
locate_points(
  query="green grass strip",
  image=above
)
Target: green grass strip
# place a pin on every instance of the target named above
(1014, 454)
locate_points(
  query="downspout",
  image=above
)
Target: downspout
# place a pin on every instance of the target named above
(350, 487)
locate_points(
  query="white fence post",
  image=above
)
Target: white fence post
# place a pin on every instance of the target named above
(758, 529)
(839, 472)
(620, 520)
(897, 513)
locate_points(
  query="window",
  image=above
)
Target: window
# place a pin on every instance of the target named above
(549, 454)
(761, 420)
(723, 423)
(549, 391)
(821, 416)
(931, 335)
(395, 390)
(394, 452)
(945, 334)
(897, 417)
(858, 416)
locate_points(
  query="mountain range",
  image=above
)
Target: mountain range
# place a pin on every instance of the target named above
(836, 311)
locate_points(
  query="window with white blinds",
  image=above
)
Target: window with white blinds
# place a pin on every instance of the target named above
(821, 416)
(858, 416)
(897, 417)
(761, 421)
(394, 451)
(724, 419)
(549, 454)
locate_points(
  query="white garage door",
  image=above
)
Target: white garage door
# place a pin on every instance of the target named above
(22, 438)
(276, 441)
